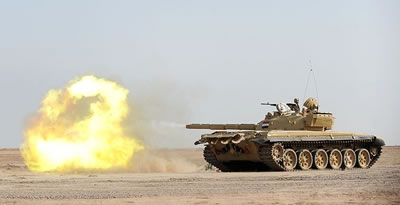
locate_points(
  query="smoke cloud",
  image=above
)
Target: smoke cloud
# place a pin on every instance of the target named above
(157, 118)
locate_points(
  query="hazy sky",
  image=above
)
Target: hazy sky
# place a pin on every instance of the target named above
(206, 61)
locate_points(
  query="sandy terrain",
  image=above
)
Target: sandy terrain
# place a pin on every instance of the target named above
(378, 185)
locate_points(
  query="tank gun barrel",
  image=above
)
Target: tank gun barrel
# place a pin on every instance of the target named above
(222, 126)
(271, 104)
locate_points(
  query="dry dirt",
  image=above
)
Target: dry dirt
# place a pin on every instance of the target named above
(378, 185)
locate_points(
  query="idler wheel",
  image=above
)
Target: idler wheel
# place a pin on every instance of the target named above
(320, 159)
(363, 158)
(349, 158)
(289, 159)
(277, 152)
(335, 159)
(305, 159)
(374, 151)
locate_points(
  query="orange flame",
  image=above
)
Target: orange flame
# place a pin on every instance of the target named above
(79, 128)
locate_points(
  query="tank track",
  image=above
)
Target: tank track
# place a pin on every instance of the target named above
(265, 152)
(233, 166)
(268, 163)
(375, 158)
(209, 156)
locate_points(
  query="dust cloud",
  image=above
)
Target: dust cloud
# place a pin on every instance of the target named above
(158, 116)
(152, 160)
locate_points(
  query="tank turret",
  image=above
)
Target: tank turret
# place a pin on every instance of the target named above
(286, 117)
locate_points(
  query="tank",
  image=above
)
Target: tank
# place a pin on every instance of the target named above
(288, 139)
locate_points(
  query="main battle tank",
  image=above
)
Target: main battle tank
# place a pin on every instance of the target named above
(288, 139)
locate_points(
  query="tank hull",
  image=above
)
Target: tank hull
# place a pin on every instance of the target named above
(257, 150)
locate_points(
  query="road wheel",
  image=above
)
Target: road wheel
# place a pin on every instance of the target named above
(363, 158)
(305, 159)
(335, 159)
(277, 152)
(349, 158)
(289, 159)
(320, 159)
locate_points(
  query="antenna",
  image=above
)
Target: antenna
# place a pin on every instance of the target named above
(308, 80)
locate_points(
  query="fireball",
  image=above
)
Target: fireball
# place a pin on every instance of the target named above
(79, 128)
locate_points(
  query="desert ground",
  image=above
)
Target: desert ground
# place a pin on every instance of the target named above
(378, 185)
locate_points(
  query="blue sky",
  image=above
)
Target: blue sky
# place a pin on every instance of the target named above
(206, 61)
